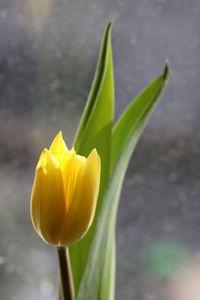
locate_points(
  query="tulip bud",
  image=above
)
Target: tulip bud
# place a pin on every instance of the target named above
(64, 193)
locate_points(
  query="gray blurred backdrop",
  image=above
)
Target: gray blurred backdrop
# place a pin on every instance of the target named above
(48, 53)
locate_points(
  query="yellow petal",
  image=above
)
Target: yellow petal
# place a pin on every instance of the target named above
(58, 147)
(81, 211)
(70, 166)
(48, 208)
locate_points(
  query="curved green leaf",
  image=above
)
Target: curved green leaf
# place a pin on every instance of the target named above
(95, 131)
(124, 138)
(132, 122)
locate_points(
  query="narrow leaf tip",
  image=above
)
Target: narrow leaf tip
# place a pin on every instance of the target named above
(109, 25)
(166, 70)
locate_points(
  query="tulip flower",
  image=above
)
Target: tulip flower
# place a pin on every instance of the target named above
(64, 193)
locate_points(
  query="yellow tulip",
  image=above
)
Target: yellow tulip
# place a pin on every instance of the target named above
(64, 193)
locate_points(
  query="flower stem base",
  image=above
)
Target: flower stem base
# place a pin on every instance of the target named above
(67, 284)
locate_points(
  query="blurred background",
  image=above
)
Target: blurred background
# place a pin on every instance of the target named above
(48, 53)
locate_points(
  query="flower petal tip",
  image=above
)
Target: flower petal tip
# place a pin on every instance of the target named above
(59, 134)
(94, 154)
(58, 146)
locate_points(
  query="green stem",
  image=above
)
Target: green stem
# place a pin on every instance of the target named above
(67, 284)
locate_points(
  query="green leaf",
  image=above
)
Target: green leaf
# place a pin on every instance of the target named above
(132, 122)
(95, 131)
(124, 138)
(107, 284)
